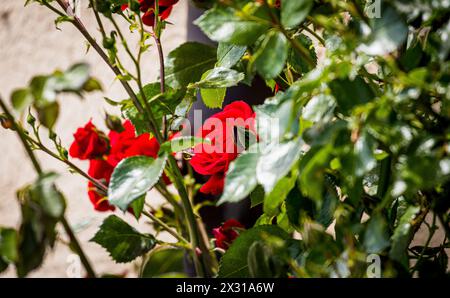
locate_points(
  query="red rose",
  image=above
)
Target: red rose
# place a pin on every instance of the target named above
(125, 144)
(227, 233)
(89, 143)
(122, 145)
(214, 159)
(102, 171)
(148, 6)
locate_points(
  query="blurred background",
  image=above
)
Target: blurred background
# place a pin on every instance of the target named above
(30, 45)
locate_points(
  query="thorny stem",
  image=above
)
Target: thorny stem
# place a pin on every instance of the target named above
(74, 167)
(73, 239)
(22, 137)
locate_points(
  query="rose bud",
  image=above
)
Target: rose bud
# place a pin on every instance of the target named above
(114, 123)
(89, 143)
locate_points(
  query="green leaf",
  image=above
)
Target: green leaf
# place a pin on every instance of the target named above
(270, 58)
(72, 80)
(258, 261)
(296, 61)
(122, 241)
(132, 178)
(241, 178)
(257, 196)
(219, 77)
(275, 119)
(312, 172)
(245, 138)
(213, 85)
(181, 143)
(389, 31)
(92, 85)
(138, 206)
(294, 12)
(301, 209)
(42, 205)
(365, 148)
(188, 62)
(44, 192)
(228, 55)
(276, 197)
(319, 109)
(8, 245)
(213, 98)
(376, 235)
(226, 25)
(63, 19)
(276, 161)
(350, 93)
(40, 91)
(3, 265)
(48, 114)
(403, 235)
(21, 99)
(164, 263)
(160, 104)
(234, 262)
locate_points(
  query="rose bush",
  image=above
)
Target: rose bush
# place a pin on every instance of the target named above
(346, 163)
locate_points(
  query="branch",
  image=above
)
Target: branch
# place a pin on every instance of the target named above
(73, 240)
(165, 227)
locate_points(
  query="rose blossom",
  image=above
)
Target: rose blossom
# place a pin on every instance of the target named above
(104, 155)
(126, 144)
(148, 6)
(214, 159)
(227, 233)
(102, 171)
(89, 143)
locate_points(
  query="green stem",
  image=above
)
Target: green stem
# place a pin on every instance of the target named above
(22, 137)
(161, 187)
(384, 177)
(74, 244)
(313, 33)
(295, 43)
(80, 26)
(201, 264)
(53, 9)
(94, 181)
(97, 17)
(165, 227)
(73, 240)
(431, 230)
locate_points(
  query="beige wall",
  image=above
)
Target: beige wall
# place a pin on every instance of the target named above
(30, 45)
